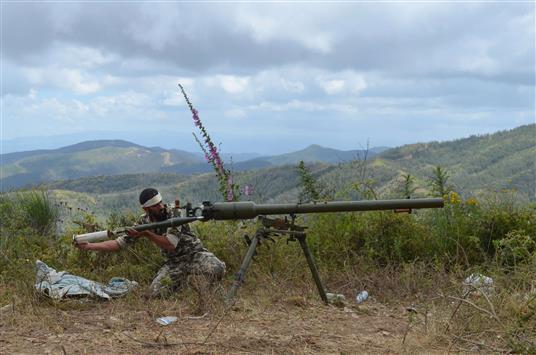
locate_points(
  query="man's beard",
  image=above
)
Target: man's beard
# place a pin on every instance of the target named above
(159, 216)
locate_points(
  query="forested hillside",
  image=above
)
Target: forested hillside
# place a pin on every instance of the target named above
(503, 160)
(474, 166)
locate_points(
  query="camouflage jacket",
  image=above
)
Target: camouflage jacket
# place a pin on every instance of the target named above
(185, 242)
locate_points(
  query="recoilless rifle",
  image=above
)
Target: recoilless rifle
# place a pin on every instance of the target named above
(269, 226)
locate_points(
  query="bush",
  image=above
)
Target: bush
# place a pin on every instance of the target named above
(32, 208)
(455, 240)
(515, 248)
(382, 237)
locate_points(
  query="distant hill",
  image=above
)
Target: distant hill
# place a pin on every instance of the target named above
(10, 158)
(92, 158)
(118, 157)
(504, 159)
(312, 154)
(316, 153)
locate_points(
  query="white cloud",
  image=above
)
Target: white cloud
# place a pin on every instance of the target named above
(233, 84)
(59, 109)
(230, 83)
(125, 101)
(79, 56)
(173, 99)
(333, 86)
(32, 94)
(73, 80)
(110, 80)
(293, 86)
(77, 81)
(287, 22)
(82, 107)
(347, 82)
(321, 42)
(299, 105)
(357, 84)
(47, 109)
(235, 113)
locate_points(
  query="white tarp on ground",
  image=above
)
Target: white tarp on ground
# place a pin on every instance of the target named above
(61, 284)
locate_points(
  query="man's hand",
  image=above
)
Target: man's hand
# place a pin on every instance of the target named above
(135, 234)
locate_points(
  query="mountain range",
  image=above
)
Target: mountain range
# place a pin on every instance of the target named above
(115, 171)
(119, 157)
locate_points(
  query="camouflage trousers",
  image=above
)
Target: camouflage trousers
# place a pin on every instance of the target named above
(200, 271)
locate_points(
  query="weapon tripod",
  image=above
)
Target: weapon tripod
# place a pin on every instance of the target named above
(276, 227)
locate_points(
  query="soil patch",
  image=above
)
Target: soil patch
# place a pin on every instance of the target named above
(285, 327)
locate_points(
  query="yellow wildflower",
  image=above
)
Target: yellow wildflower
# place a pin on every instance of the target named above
(454, 198)
(471, 201)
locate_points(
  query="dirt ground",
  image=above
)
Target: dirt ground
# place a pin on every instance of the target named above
(294, 325)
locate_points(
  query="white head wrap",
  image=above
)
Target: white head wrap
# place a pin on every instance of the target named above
(153, 201)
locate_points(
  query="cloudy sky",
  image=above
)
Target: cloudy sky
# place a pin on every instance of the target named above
(265, 77)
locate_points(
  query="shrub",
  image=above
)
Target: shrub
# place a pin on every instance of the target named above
(38, 211)
(498, 215)
(515, 248)
(382, 237)
(455, 239)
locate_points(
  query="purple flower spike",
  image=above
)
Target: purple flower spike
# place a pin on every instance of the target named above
(210, 151)
(248, 190)
(197, 120)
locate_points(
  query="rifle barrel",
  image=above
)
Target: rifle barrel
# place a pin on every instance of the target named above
(172, 222)
(246, 210)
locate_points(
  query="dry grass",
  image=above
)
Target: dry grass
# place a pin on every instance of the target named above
(259, 322)
(283, 316)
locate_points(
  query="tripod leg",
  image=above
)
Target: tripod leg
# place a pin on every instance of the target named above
(312, 267)
(241, 274)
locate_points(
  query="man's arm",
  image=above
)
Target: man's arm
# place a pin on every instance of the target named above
(108, 245)
(160, 240)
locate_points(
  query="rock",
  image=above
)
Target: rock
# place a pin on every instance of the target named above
(478, 282)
